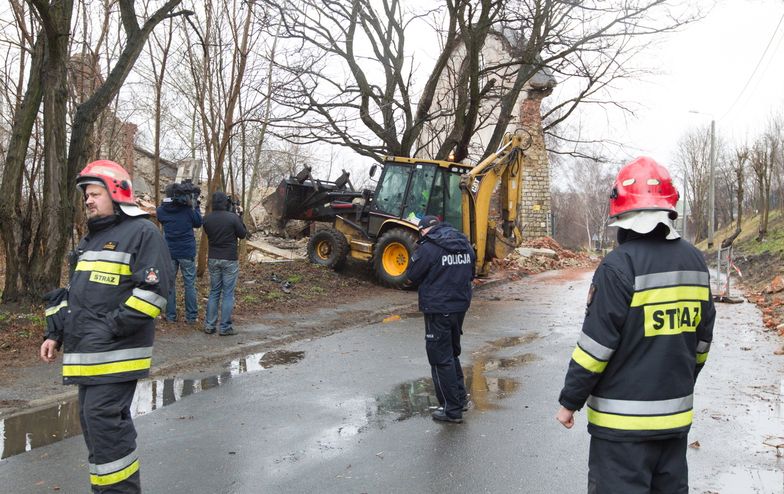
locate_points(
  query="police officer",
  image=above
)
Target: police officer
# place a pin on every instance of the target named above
(646, 335)
(105, 321)
(442, 267)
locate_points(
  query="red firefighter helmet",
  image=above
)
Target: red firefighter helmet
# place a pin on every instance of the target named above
(110, 175)
(643, 185)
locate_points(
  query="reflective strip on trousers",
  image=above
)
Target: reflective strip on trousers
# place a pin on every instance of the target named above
(115, 466)
(116, 477)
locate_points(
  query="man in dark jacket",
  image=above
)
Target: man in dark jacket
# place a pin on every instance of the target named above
(179, 215)
(105, 321)
(442, 267)
(647, 332)
(223, 227)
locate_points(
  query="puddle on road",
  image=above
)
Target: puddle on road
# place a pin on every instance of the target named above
(752, 481)
(26, 431)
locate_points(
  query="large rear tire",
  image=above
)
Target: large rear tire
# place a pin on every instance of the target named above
(328, 247)
(392, 257)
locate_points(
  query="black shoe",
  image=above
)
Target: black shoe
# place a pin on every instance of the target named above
(209, 331)
(228, 332)
(440, 416)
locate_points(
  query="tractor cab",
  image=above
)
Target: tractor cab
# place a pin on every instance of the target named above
(409, 189)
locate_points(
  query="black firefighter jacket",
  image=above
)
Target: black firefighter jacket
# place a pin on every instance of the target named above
(443, 267)
(646, 335)
(106, 318)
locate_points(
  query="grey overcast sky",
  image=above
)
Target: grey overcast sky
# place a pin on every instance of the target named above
(708, 67)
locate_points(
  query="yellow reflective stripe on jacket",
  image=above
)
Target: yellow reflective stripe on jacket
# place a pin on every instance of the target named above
(116, 477)
(671, 294)
(103, 369)
(104, 267)
(585, 360)
(143, 306)
(702, 358)
(53, 310)
(640, 423)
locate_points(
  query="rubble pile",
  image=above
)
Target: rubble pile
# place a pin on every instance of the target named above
(538, 255)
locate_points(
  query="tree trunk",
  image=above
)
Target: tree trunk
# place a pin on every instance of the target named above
(57, 205)
(12, 225)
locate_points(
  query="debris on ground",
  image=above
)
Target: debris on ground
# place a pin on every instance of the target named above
(538, 255)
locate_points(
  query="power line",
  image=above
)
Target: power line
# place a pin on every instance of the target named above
(751, 77)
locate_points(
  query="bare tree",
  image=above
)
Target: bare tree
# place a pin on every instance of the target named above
(693, 156)
(765, 154)
(339, 47)
(39, 266)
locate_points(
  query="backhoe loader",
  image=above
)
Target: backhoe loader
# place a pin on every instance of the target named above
(380, 226)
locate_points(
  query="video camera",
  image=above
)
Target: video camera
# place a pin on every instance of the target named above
(184, 194)
(233, 205)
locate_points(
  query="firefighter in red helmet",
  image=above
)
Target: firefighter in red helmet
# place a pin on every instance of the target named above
(646, 335)
(105, 321)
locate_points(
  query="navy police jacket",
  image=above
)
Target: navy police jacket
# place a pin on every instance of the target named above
(106, 321)
(443, 267)
(647, 332)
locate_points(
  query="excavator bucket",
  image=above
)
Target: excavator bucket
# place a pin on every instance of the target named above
(301, 197)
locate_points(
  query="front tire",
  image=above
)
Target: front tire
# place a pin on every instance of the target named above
(392, 257)
(328, 247)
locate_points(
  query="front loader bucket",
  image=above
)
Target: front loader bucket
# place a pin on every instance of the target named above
(303, 198)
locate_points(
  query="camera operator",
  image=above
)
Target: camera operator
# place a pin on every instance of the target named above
(180, 214)
(223, 227)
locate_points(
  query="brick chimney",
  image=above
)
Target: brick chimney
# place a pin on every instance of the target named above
(535, 205)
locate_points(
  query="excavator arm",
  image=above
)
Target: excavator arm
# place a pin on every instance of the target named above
(477, 186)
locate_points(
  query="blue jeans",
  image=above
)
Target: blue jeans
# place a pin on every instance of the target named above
(188, 268)
(223, 279)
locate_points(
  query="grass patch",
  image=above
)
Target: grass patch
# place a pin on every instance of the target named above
(295, 278)
(274, 296)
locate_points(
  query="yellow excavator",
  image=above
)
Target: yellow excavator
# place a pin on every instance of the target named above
(380, 226)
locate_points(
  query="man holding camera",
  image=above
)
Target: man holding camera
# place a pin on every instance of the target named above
(223, 227)
(179, 215)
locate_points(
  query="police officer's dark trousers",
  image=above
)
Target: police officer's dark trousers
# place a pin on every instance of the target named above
(649, 467)
(105, 413)
(442, 336)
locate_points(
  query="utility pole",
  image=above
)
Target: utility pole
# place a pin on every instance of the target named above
(712, 190)
(685, 200)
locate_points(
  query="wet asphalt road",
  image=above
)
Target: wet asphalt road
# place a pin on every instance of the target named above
(348, 413)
